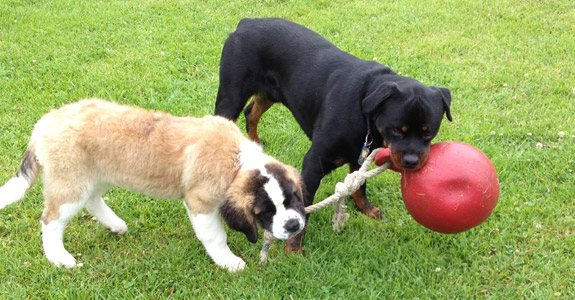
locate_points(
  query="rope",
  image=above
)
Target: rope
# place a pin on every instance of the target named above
(352, 182)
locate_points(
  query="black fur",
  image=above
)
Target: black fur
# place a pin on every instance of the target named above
(29, 167)
(335, 97)
(240, 220)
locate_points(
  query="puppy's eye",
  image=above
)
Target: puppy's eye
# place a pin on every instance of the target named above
(296, 195)
(265, 215)
(428, 136)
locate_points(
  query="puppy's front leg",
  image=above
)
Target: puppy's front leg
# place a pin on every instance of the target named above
(211, 232)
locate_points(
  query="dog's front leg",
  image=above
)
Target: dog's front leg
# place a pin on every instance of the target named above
(360, 199)
(211, 232)
(314, 168)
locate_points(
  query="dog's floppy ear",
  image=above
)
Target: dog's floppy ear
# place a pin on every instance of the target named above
(376, 96)
(239, 208)
(301, 190)
(240, 218)
(446, 97)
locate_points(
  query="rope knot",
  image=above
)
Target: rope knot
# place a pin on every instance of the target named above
(351, 183)
(341, 189)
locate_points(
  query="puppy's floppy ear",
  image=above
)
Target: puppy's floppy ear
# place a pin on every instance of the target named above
(376, 96)
(240, 218)
(301, 190)
(238, 209)
(446, 96)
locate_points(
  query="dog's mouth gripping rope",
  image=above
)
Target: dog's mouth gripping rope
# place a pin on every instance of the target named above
(352, 182)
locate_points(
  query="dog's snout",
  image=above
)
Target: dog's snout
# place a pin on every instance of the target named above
(410, 161)
(292, 225)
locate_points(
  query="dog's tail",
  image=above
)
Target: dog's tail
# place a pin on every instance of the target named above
(15, 189)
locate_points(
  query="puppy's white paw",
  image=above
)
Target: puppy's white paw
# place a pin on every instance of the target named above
(62, 259)
(232, 263)
(118, 227)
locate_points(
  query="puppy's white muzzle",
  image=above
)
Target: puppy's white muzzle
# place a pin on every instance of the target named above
(287, 224)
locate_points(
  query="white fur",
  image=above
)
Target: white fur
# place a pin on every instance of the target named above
(275, 192)
(52, 233)
(282, 215)
(52, 236)
(280, 219)
(211, 232)
(251, 156)
(13, 191)
(98, 208)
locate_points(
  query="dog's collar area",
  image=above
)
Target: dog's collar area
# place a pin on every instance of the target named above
(366, 144)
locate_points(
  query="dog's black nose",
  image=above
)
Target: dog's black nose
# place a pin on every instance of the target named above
(292, 225)
(410, 161)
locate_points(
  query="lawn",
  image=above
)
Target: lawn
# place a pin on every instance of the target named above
(510, 66)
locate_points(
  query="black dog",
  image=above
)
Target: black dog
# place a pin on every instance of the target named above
(342, 103)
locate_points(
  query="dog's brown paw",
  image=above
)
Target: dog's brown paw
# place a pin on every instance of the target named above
(289, 250)
(373, 212)
(365, 207)
(294, 244)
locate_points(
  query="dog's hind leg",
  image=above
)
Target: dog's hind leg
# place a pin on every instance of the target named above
(253, 112)
(62, 203)
(99, 209)
(211, 232)
(239, 79)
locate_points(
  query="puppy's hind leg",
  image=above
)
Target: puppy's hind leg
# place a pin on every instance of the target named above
(98, 208)
(211, 232)
(62, 203)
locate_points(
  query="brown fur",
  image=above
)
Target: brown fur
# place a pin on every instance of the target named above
(87, 147)
(259, 105)
(144, 151)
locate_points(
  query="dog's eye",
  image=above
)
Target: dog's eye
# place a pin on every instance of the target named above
(428, 136)
(397, 132)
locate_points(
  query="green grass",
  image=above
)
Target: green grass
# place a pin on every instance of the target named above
(509, 65)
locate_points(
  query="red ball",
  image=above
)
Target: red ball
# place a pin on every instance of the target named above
(456, 190)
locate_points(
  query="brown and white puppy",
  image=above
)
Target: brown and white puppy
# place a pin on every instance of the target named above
(87, 147)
